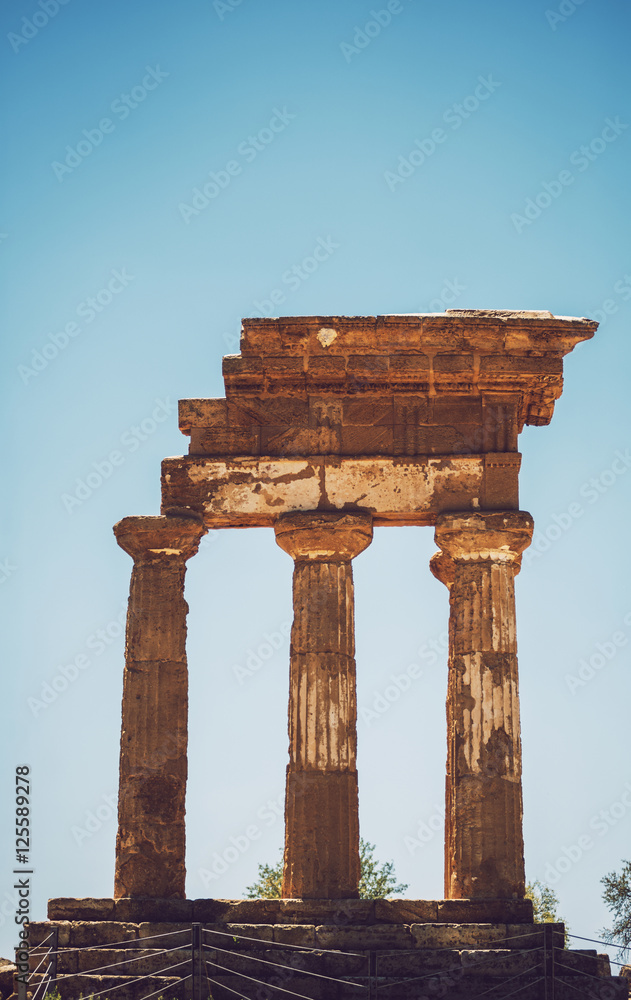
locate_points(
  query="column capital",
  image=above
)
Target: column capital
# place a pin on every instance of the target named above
(323, 536)
(499, 536)
(443, 568)
(149, 537)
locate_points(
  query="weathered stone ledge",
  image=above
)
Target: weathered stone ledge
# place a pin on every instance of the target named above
(336, 936)
(294, 911)
(253, 492)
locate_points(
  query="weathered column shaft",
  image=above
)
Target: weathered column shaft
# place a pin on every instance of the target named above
(321, 804)
(484, 851)
(150, 844)
(322, 705)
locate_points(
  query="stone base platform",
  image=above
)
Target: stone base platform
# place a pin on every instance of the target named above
(294, 911)
(398, 949)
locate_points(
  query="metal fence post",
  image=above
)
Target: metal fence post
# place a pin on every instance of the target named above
(545, 962)
(52, 968)
(21, 986)
(196, 961)
(552, 961)
(548, 960)
(372, 972)
(48, 979)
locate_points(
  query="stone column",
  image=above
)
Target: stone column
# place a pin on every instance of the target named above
(484, 850)
(321, 801)
(150, 845)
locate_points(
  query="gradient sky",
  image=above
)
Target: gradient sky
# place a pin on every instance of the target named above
(94, 210)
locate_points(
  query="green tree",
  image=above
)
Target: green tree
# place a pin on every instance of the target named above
(268, 883)
(376, 881)
(544, 904)
(617, 898)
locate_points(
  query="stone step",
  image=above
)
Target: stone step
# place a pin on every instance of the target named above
(290, 911)
(225, 987)
(457, 975)
(500, 963)
(460, 936)
(125, 987)
(456, 961)
(130, 961)
(481, 962)
(451, 987)
(85, 933)
(384, 936)
(489, 962)
(354, 937)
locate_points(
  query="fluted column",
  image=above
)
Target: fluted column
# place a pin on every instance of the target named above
(321, 802)
(150, 844)
(480, 556)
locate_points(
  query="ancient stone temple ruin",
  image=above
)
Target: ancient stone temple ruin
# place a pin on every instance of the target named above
(332, 427)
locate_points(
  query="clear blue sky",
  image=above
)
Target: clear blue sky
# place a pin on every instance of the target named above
(116, 113)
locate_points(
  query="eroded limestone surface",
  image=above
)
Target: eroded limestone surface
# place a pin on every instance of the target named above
(484, 850)
(321, 857)
(403, 416)
(150, 844)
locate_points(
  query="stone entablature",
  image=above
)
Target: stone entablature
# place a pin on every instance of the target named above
(461, 382)
(404, 416)
(253, 492)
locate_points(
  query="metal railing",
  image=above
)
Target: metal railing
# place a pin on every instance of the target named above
(46, 977)
(210, 962)
(53, 979)
(49, 960)
(284, 973)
